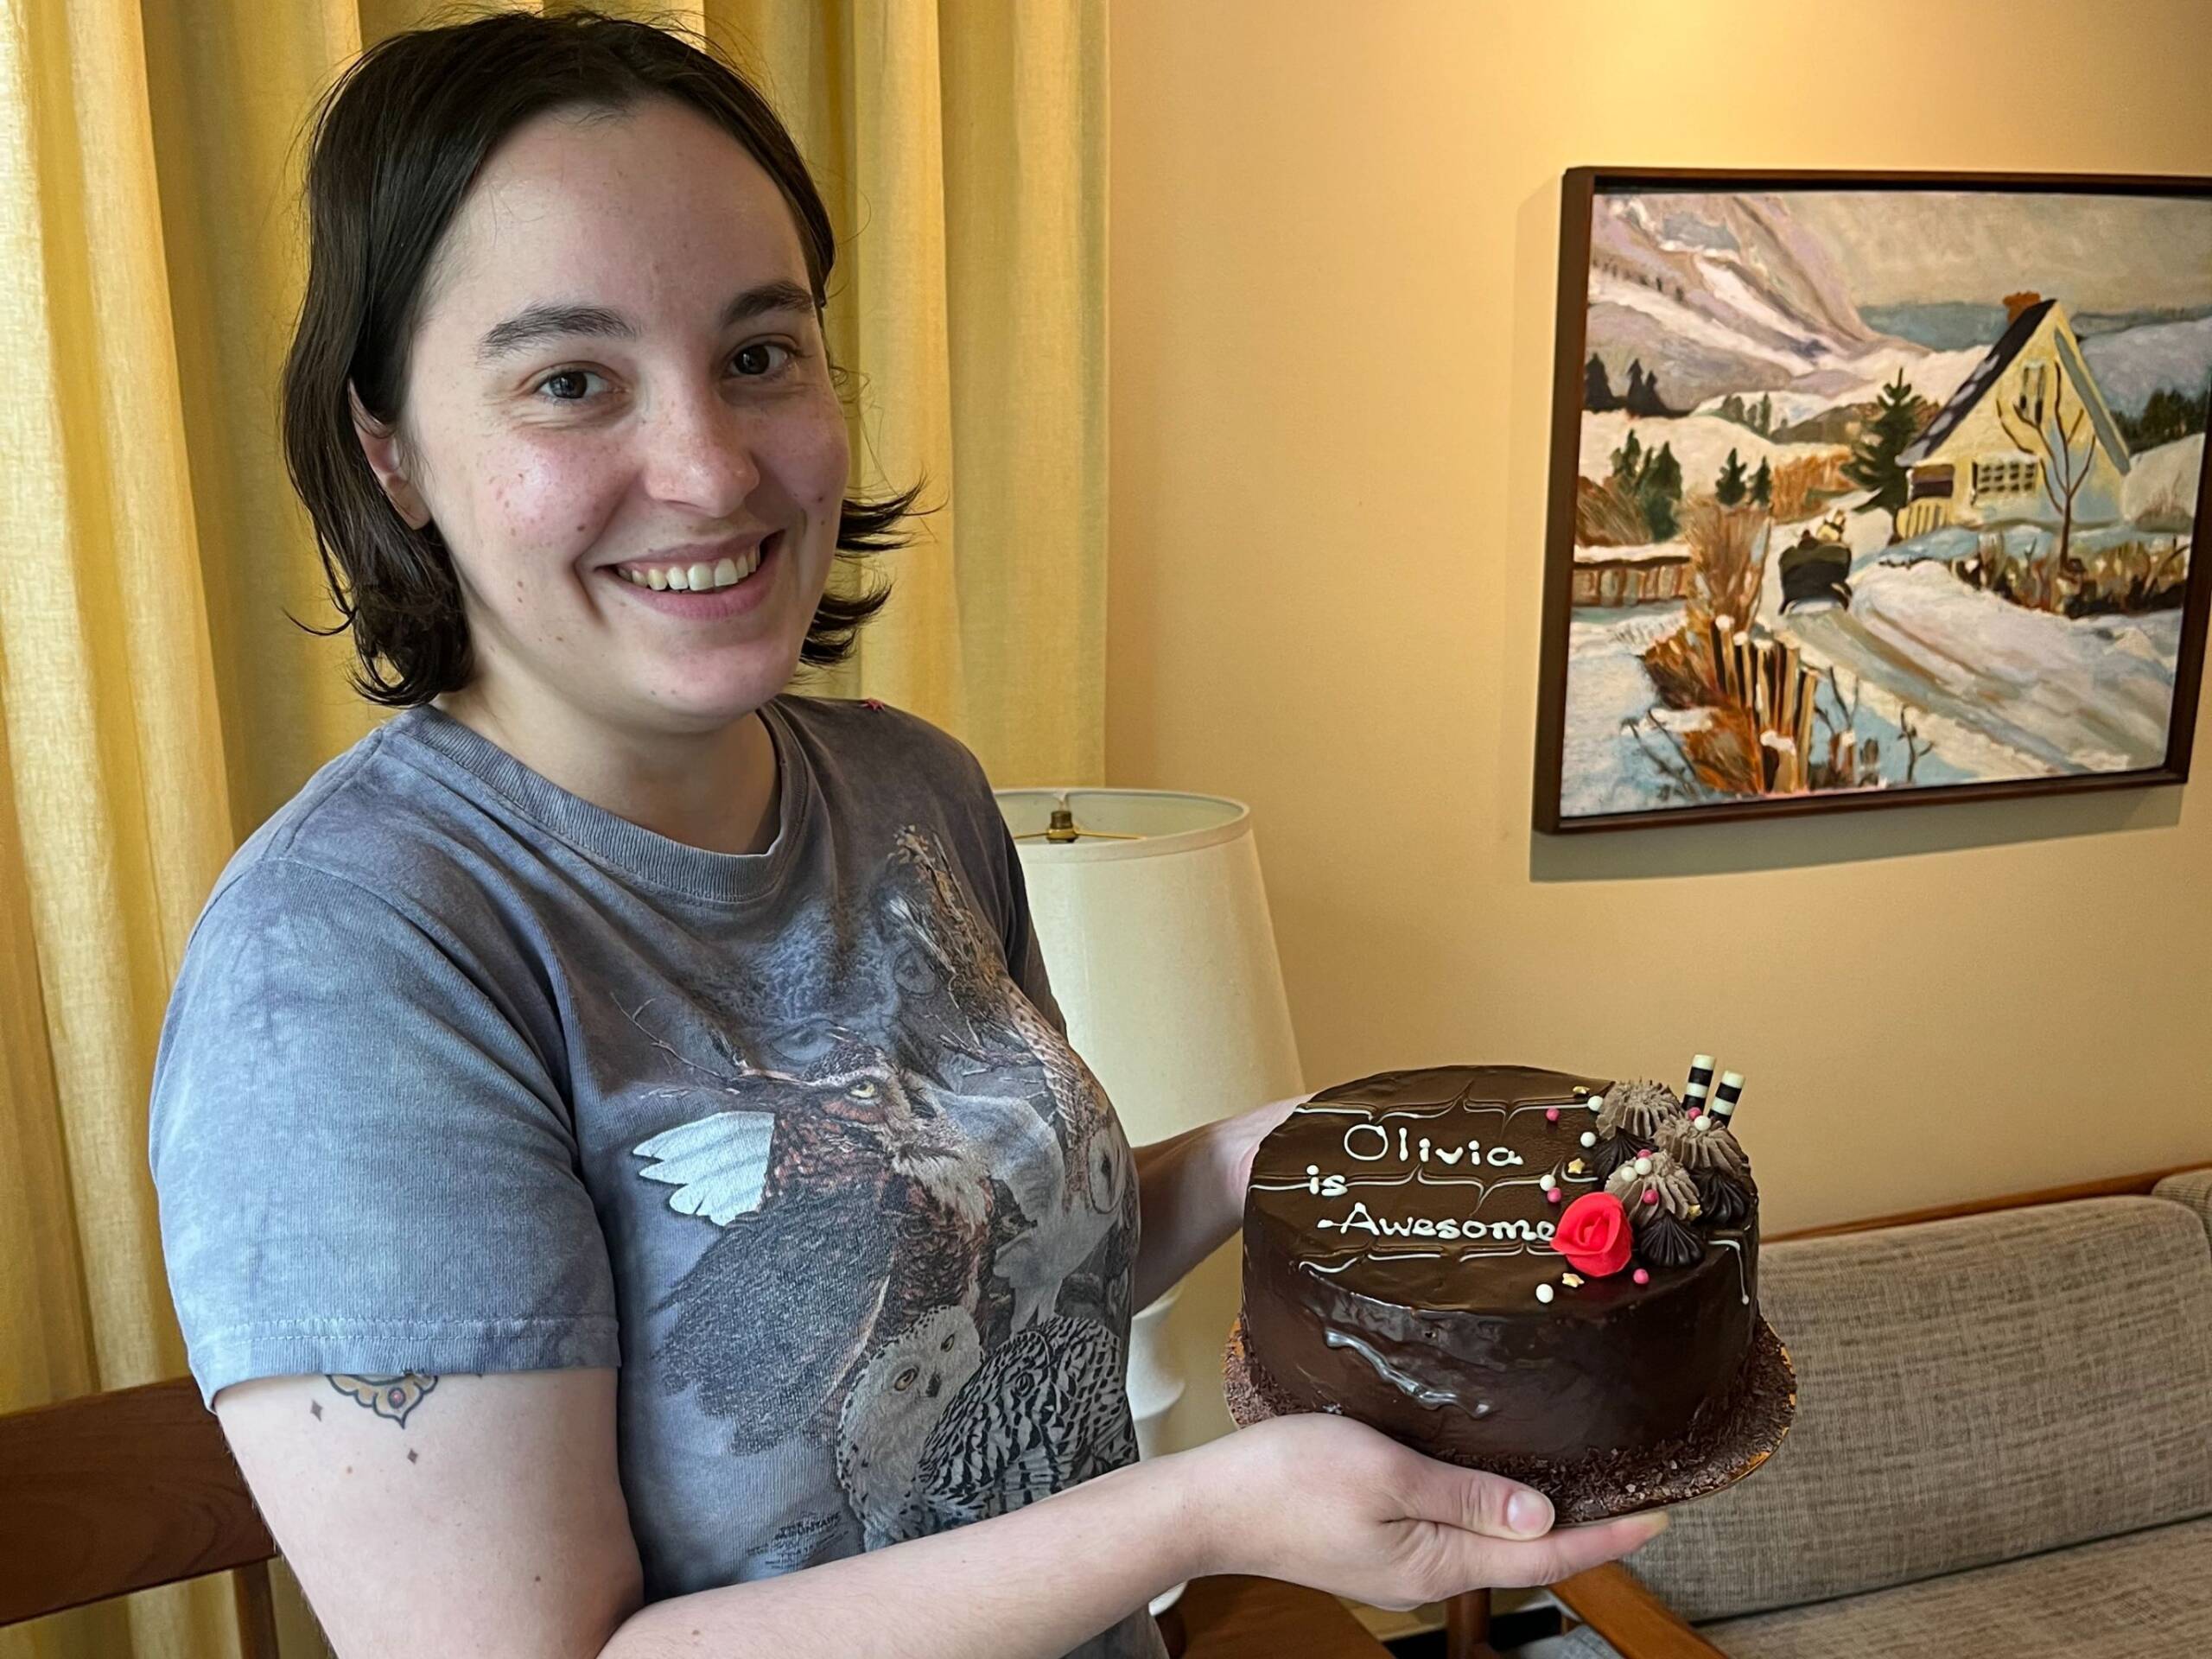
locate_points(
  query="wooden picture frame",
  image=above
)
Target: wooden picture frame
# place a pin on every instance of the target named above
(2056, 561)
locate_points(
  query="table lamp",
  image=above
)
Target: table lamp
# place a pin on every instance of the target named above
(1154, 924)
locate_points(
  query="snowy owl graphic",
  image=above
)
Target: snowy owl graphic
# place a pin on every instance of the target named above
(1046, 1411)
(897, 1398)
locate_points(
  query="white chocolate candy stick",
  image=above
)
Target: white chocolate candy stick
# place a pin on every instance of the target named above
(1731, 1091)
(1700, 1076)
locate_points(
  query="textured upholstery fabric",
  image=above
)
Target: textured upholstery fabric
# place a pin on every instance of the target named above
(1969, 1391)
(2146, 1595)
(2193, 1189)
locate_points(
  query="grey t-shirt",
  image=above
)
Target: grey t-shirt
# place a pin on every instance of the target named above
(463, 1073)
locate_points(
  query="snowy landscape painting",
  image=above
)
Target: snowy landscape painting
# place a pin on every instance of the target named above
(1868, 491)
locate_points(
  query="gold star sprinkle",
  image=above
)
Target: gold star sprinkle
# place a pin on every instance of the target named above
(1574, 1167)
(1572, 1281)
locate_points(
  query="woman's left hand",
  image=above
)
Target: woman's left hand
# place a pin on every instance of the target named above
(1244, 1134)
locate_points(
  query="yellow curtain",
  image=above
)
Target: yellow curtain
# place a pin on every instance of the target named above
(155, 705)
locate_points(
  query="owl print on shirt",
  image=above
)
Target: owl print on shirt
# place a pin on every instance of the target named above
(919, 1234)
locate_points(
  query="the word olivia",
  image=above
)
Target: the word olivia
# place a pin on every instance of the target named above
(1368, 1142)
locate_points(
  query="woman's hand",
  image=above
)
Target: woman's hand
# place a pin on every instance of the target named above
(1241, 1135)
(1323, 1501)
(1191, 1189)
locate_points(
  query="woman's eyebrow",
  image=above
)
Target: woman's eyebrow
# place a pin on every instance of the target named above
(554, 320)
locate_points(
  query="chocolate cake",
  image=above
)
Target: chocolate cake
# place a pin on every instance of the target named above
(1548, 1275)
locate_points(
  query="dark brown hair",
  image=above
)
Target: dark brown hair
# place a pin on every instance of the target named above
(396, 145)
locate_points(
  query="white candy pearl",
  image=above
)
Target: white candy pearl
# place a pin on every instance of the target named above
(1596, 1103)
(1589, 1139)
(1545, 1292)
(1643, 1166)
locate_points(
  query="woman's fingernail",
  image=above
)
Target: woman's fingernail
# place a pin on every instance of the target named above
(1528, 1514)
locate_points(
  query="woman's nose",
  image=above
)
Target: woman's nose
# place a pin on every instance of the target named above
(699, 454)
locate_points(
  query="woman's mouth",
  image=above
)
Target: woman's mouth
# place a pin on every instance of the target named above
(702, 589)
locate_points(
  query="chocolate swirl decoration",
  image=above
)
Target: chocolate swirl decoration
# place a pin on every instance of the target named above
(1661, 1201)
(1665, 1243)
(1629, 1122)
(1716, 1162)
(1636, 1110)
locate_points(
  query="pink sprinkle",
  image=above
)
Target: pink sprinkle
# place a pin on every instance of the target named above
(1646, 1152)
(1551, 1114)
(1553, 1194)
(1649, 1196)
(1697, 1111)
(1641, 1277)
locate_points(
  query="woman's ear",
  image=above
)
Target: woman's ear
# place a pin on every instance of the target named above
(380, 443)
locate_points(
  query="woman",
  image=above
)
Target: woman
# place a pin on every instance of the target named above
(623, 1181)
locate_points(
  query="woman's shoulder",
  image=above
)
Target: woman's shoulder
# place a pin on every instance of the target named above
(373, 830)
(868, 736)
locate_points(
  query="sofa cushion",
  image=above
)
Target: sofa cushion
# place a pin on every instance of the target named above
(2192, 1188)
(1968, 1391)
(2145, 1595)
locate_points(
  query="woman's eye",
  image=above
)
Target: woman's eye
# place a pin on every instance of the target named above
(752, 353)
(574, 377)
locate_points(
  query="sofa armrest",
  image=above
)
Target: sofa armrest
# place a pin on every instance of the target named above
(1611, 1601)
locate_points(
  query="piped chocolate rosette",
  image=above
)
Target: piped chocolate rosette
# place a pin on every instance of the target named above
(1672, 1170)
(1628, 1122)
(1662, 1202)
(1707, 1148)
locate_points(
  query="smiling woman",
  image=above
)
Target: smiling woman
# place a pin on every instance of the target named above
(624, 1181)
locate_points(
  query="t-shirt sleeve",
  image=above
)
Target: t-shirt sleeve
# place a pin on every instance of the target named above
(364, 1167)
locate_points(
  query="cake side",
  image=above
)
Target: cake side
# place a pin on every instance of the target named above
(1402, 1264)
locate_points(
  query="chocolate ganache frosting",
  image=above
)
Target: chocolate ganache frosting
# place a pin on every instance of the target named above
(1423, 1251)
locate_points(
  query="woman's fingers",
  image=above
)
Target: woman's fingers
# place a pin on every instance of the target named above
(1471, 1559)
(1473, 1501)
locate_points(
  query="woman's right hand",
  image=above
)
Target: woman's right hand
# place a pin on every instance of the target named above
(1323, 1501)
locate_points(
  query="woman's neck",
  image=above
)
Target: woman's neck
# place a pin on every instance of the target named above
(715, 790)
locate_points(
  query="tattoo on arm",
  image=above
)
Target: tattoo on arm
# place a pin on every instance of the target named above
(393, 1397)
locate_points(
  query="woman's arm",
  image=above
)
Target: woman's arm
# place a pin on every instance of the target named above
(491, 1522)
(1191, 1194)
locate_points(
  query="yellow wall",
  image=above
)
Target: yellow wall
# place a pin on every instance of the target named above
(1334, 242)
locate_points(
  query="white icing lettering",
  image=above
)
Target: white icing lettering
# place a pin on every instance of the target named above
(1367, 1129)
(1450, 1157)
(1332, 1187)
(1502, 1157)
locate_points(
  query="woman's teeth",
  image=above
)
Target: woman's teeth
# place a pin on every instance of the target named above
(692, 578)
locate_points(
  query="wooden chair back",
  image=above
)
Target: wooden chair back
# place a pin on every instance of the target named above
(123, 1492)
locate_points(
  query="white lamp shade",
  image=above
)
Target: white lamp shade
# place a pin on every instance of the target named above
(1161, 951)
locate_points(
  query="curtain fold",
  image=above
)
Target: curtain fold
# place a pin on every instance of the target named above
(154, 703)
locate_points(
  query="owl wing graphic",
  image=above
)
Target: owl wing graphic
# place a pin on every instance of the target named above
(718, 1165)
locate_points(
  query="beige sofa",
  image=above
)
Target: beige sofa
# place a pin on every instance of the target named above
(2003, 1447)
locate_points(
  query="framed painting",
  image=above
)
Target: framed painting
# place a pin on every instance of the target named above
(1870, 490)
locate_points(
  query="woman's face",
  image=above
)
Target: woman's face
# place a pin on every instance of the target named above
(618, 402)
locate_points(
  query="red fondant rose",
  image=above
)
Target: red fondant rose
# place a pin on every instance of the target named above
(1593, 1235)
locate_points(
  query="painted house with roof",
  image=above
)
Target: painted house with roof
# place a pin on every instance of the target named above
(2026, 429)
